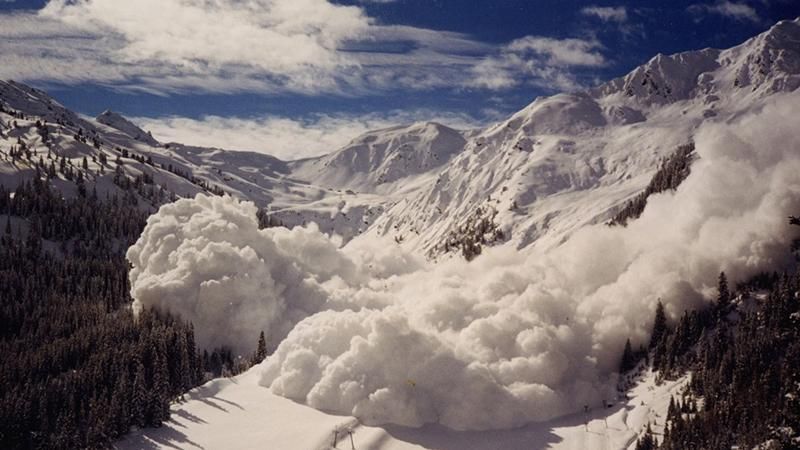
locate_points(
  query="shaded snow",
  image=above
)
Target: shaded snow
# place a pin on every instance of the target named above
(237, 414)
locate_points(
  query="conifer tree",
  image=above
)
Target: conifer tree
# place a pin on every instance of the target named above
(139, 398)
(261, 349)
(628, 361)
(724, 296)
(659, 325)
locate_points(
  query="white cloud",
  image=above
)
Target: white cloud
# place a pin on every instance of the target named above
(288, 138)
(540, 61)
(266, 46)
(607, 13)
(726, 8)
(279, 37)
(560, 52)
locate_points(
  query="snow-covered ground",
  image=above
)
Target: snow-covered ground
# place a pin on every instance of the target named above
(235, 413)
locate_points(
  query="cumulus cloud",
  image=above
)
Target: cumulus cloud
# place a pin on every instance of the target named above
(508, 338)
(737, 11)
(291, 43)
(266, 46)
(607, 13)
(288, 138)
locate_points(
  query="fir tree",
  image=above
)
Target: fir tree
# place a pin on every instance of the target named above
(261, 349)
(659, 325)
(628, 361)
(139, 398)
(724, 296)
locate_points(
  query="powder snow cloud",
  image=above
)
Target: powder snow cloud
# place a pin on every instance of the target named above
(509, 338)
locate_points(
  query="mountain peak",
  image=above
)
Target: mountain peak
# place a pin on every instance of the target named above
(768, 62)
(120, 123)
(385, 156)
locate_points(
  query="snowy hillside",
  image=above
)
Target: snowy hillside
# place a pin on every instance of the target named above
(562, 162)
(570, 160)
(124, 125)
(384, 160)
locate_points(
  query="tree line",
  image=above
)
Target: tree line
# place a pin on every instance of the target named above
(77, 369)
(743, 357)
(671, 172)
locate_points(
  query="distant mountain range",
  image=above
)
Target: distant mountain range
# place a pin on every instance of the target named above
(560, 163)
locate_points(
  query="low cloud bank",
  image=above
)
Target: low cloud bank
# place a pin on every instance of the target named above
(504, 340)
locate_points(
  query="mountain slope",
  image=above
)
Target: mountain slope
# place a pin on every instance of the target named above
(570, 160)
(560, 163)
(384, 157)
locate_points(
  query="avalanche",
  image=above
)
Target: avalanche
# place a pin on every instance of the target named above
(510, 338)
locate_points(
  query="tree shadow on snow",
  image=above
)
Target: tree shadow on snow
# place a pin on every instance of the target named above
(183, 414)
(165, 437)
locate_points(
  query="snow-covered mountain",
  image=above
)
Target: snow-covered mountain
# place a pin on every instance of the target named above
(384, 160)
(560, 163)
(572, 159)
(124, 125)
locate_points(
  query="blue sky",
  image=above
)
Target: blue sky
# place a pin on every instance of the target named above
(301, 77)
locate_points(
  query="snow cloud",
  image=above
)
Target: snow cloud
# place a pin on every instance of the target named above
(509, 338)
(207, 260)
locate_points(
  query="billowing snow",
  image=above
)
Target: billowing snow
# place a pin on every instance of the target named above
(508, 339)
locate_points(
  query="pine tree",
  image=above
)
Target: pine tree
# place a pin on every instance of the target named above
(139, 398)
(161, 389)
(647, 441)
(659, 325)
(186, 369)
(261, 349)
(628, 361)
(724, 297)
